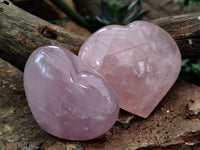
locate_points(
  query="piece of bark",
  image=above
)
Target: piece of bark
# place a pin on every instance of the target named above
(48, 11)
(185, 29)
(175, 123)
(41, 8)
(21, 33)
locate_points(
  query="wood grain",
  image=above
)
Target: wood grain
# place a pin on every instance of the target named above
(21, 33)
(185, 29)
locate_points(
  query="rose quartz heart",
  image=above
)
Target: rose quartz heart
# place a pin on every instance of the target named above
(67, 99)
(140, 61)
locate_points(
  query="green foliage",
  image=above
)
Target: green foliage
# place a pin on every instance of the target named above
(112, 12)
(190, 71)
(119, 12)
(71, 13)
(191, 3)
(187, 2)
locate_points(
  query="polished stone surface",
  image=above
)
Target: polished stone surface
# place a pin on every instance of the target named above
(67, 99)
(140, 61)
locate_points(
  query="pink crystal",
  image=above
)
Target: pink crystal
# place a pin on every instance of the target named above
(67, 99)
(140, 61)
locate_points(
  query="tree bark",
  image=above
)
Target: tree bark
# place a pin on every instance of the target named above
(21, 33)
(185, 29)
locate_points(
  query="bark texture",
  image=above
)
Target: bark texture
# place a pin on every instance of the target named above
(21, 33)
(185, 29)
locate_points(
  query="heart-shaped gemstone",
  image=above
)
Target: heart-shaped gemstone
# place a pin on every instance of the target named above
(141, 62)
(67, 99)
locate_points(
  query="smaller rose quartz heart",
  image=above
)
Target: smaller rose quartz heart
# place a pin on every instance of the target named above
(140, 61)
(67, 99)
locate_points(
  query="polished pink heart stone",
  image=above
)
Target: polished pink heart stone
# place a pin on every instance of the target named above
(141, 61)
(67, 99)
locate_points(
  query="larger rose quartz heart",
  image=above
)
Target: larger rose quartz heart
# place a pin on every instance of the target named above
(140, 61)
(66, 98)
